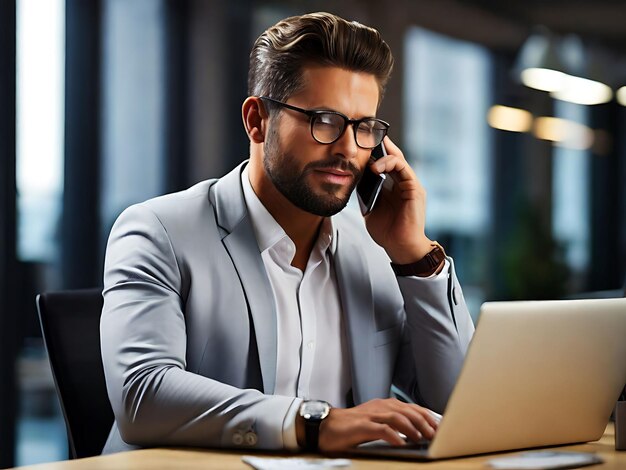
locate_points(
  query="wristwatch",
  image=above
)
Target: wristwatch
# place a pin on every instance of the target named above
(313, 412)
(425, 267)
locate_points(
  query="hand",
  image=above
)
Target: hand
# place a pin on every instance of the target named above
(397, 221)
(345, 428)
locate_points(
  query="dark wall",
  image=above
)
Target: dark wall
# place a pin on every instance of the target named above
(8, 265)
(80, 218)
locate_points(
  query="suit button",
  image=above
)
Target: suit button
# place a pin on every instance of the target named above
(238, 438)
(251, 438)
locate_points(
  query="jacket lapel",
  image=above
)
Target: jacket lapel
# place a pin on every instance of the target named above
(240, 242)
(355, 291)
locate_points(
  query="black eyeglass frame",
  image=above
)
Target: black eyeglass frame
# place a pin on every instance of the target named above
(312, 113)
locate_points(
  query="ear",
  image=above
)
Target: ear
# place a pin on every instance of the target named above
(255, 119)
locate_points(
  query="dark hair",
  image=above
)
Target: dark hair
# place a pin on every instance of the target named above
(278, 55)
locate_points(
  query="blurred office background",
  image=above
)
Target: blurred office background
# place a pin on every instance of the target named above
(104, 103)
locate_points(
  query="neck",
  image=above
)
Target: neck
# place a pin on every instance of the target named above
(303, 232)
(300, 226)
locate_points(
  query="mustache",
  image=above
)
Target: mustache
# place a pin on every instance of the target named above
(337, 164)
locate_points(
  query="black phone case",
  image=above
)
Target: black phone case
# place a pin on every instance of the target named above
(370, 185)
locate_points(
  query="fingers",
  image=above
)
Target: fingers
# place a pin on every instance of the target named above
(399, 423)
(352, 432)
(420, 420)
(436, 416)
(390, 146)
(394, 163)
(385, 432)
(377, 419)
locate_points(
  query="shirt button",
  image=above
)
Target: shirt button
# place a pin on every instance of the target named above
(238, 438)
(251, 438)
(311, 344)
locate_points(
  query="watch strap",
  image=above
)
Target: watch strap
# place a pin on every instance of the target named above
(313, 412)
(425, 267)
(311, 434)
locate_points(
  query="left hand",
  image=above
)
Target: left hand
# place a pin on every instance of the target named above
(397, 221)
(345, 428)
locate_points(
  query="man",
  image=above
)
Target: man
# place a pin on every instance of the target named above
(252, 311)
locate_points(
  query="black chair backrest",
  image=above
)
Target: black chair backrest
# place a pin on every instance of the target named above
(70, 323)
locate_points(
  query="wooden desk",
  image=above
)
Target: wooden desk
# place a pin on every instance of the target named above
(210, 459)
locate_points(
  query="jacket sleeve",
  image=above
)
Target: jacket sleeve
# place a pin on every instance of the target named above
(436, 336)
(156, 401)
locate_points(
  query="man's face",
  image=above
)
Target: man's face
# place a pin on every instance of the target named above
(319, 178)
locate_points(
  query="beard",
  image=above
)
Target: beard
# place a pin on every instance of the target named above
(283, 171)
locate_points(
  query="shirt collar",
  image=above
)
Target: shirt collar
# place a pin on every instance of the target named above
(268, 232)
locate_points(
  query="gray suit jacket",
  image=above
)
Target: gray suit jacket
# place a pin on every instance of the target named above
(188, 328)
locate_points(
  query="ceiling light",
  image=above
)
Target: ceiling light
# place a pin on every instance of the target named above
(539, 64)
(583, 91)
(509, 119)
(543, 79)
(586, 73)
(566, 68)
(621, 96)
(564, 133)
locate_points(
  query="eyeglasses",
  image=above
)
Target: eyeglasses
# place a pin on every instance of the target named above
(328, 126)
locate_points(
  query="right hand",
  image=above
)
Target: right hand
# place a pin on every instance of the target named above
(345, 428)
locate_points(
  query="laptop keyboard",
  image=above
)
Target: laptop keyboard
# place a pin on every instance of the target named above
(422, 444)
(419, 445)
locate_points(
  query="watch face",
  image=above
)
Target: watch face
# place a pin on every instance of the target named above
(314, 409)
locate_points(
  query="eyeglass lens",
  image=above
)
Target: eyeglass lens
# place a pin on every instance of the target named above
(328, 127)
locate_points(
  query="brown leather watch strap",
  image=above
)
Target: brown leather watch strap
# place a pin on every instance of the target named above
(425, 267)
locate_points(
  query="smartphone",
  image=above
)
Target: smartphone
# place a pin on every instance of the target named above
(370, 185)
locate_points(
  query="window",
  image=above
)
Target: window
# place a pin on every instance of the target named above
(447, 83)
(40, 87)
(571, 193)
(39, 126)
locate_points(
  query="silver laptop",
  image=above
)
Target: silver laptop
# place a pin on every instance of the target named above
(536, 374)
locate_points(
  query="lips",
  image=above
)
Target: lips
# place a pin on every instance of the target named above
(338, 166)
(334, 176)
(339, 172)
(335, 171)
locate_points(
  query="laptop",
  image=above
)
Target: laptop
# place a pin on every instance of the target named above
(536, 374)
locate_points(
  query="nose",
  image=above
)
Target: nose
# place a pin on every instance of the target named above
(346, 145)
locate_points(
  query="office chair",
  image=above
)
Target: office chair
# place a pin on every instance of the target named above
(70, 323)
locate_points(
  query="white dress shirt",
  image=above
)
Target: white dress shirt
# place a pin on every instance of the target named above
(312, 354)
